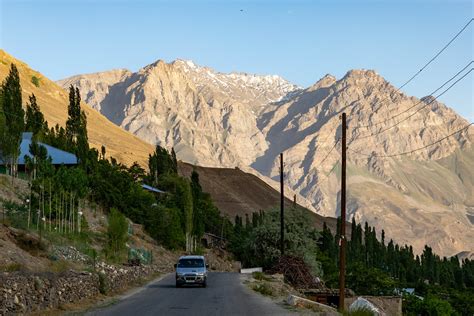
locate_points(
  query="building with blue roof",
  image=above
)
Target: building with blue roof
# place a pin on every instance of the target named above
(58, 156)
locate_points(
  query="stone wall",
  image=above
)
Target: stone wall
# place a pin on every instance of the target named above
(25, 292)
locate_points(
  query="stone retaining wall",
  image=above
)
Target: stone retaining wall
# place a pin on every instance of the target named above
(25, 292)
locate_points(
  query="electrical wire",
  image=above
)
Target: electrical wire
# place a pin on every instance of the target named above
(326, 176)
(408, 109)
(412, 114)
(411, 151)
(327, 155)
(439, 53)
(428, 63)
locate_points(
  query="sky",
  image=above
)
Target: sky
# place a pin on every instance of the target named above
(298, 40)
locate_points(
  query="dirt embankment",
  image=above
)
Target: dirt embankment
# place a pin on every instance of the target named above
(236, 192)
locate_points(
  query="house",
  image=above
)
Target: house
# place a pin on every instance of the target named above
(59, 157)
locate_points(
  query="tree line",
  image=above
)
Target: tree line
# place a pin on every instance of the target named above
(377, 267)
(177, 219)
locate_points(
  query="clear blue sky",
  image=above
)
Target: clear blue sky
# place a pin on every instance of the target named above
(299, 40)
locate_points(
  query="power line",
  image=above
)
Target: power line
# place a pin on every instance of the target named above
(439, 53)
(326, 176)
(411, 151)
(327, 155)
(406, 110)
(314, 168)
(409, 116)
(428, 63)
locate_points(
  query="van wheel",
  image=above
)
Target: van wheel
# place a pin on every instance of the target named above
(178, 285)
(204, 284)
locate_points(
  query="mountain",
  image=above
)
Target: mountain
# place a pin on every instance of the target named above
(208, 117)
(53, 102)
(424, 197)
(239, 120)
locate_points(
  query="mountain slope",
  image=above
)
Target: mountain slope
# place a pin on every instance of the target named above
(208, 117)
(424, 197)
(53, 102)
(236, 192)
(229, 120)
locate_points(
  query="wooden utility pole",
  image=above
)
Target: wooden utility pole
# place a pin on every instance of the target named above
(282, 211)
(342, 253)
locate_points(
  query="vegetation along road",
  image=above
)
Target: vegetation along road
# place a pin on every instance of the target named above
(224, 295)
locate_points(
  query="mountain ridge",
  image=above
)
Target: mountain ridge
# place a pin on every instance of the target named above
(218, 120)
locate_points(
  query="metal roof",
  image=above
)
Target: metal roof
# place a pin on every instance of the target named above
(152, 189)
(58, 156)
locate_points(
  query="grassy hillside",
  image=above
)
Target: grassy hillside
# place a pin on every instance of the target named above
(53, 101)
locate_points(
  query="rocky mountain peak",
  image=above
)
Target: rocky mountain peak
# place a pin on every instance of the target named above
(238, 119)
(326, 81)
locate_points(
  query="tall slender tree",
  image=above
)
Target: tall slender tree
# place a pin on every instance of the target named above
(34, 119)
(76, 126)
(13, 113)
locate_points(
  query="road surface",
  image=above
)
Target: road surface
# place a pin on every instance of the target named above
(224, 295)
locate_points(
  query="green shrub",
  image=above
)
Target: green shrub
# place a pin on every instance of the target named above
(263, 289)
(116, 234)
(36, 81)
(260, 276)
(60, 266)
(11, 267)
(430, 305)
(103, 283)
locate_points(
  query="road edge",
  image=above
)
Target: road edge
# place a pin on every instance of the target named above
(112, 300)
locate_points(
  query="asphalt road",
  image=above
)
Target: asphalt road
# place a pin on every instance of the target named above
(224, 295)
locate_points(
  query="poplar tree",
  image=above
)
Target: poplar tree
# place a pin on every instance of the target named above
(34, 119)
(198, 214)
(13, 113)
(76, 126)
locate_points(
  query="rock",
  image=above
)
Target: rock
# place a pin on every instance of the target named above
(297, 301)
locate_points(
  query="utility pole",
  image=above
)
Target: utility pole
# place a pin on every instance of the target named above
(342, 253)
(282, 207)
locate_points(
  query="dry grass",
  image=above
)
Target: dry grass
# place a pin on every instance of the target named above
(53, 101)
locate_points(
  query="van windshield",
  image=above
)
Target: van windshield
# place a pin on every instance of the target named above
(191, 263)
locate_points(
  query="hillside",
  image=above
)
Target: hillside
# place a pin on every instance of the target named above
(53, 102)
(236, 192)
(239, 120)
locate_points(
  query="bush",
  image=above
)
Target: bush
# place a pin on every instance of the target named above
(60, 266)
(36, 81)
(431, 305)
(103, 283)
(11, 267)
(260, 276)
(264, 289)
(117, 234)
